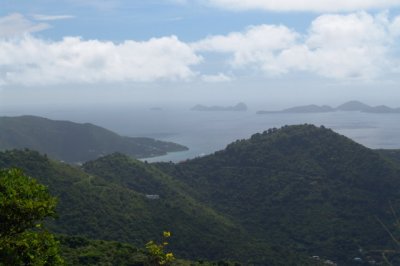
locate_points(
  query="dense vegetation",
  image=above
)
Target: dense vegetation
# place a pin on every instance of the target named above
(303, 187)
(73, 142)
(392, 155)
(98, 208)
(80, 251)
(277, 198)
(109, 201)
(24, 204)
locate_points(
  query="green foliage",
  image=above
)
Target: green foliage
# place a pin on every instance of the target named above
(108, 201)
(303, 187)
(175, 209)
(79, 251)
(392, 155)
(277, 198)
(24, 204)
(80, 142)
(158, 255)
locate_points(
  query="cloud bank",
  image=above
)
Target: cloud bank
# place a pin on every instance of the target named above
(355, 46)
(31, 61)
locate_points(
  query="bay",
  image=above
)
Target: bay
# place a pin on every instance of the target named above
(206, 132)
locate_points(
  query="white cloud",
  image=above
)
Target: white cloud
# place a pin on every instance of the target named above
(220, 77)
(351, 46)
(395, 27)
(28, 60)
(31, 61)
(305, 5)
(256, 44)
(42, 17)
(16, 24)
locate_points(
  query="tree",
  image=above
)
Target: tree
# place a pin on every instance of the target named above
(24, 204)
(157, 254)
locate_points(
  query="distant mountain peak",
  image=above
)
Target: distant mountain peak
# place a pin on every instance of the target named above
(293, 131)
(288, 144)
(349, 106)
(353, 106)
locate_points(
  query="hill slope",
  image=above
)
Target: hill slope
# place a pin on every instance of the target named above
(73, 142)
(106, 199)
(304, 187)
(106, 209)
(301, 188)
(391, 154)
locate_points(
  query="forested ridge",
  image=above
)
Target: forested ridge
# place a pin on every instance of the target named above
(302, 187)
(278, 198)
(74, 142)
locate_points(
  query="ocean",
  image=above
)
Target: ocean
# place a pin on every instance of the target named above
(206, 132)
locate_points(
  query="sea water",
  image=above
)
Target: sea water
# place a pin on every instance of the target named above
(205, 132)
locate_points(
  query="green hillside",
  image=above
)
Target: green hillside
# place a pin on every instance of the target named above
(303, 187)
(278, 198)
(392, 155)
(102, 209)
(80, 251)
(107, 199)
(73, 142)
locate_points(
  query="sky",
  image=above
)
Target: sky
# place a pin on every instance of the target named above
(267, 52)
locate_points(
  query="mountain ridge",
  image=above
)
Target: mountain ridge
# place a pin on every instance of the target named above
(305, 187)
(75, 142)
(350, 106)
(276, 198)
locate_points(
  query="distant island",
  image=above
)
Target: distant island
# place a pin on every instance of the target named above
(237, 107)
(74, 142)
(351, 106)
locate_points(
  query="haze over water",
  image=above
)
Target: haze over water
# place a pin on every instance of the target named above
(206, 132)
